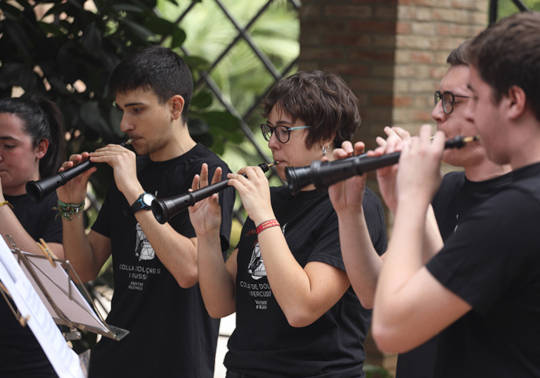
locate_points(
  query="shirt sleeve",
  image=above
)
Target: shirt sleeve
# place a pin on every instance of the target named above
(375, 220)
(102, 224)
(493, 251)
(226, 201)
(326, 247)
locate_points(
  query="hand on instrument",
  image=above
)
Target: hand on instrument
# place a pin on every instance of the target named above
(252, 186)
(205, 215)
(348, 195)
(123, 163)
(74, 191)
(386, 176)
(419, 173)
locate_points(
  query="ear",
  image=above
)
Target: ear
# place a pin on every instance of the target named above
(42, 148)
(329, 143)
(516, 102)
(176, 104)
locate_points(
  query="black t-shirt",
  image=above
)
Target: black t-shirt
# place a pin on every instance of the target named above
(263, 343)
(20, 351)
(171, 334)
(492, 262)
(456, 196)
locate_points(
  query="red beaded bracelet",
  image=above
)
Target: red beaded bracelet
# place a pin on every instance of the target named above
(267, 224)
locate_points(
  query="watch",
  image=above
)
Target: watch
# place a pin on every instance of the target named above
(144, 202)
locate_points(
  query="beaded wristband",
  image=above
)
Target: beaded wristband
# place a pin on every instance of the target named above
(68, 210)
(267, 224)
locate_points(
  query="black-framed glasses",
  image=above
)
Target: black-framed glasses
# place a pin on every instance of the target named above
(283, 133)
(448, 100)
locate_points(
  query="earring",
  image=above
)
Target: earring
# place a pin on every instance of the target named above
(324, 150)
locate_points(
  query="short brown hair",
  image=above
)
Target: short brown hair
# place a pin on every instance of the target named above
(507, 54)
(322, 100)
(458, 56)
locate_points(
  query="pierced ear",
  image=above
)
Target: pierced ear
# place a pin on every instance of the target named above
(177, 105)
(517, 101)
(42, 148)
(324, 149)
(329, 143)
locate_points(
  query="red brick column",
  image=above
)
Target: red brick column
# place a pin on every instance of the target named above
(392, 53)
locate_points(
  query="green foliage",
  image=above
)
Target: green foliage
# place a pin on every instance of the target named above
(240, 75)
(507, 7)
(66, 51)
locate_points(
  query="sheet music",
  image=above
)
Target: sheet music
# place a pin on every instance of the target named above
(64, 360)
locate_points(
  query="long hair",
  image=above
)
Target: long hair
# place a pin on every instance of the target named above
(42, 120)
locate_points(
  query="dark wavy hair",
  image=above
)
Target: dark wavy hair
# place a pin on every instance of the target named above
(157, 68)
(42, 120)
(458, 56)
(508, 53)
(322, 100)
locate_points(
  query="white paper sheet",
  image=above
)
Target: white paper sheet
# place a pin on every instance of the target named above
(64, 360)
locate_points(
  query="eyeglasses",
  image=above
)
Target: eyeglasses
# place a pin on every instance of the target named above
(283, 133)
(448, 100)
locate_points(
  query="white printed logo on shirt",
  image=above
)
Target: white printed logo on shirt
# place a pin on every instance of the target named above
(143, 248)
(256, 264)
(256, 267)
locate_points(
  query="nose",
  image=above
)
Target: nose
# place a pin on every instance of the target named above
(438, 114)
(125, 124)
(273, 143)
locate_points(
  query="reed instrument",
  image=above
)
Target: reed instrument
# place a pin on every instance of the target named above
(164, 209)
(39, 189)
(324, 174)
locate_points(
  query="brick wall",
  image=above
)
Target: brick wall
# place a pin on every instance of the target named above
(392, 53)
(355, 39)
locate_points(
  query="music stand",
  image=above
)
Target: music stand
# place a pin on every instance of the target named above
(63, 293)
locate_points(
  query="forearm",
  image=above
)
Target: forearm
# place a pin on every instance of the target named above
(10, 225)
(362, 262)
(176, 252)
(215, 281)
(78, 250)
(290, 283)
(403, 259)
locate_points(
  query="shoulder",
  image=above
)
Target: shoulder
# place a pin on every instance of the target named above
(452, 182)
(201, 154)
(456, 177)
(142, 161)
(503, 222)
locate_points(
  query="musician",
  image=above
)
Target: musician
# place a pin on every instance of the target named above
(481, 290)
(31, 146)
(296, 314)
(156, 296)
(458, 193)
(459, 190)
